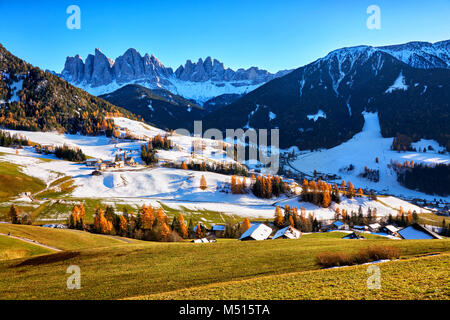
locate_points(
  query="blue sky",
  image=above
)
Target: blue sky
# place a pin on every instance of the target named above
(272, 35)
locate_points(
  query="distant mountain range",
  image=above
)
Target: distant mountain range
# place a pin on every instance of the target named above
(199, 81)
(321, 104)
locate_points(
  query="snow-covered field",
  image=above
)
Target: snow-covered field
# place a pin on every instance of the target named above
(179, 189)
(362, 150)
(102, 147)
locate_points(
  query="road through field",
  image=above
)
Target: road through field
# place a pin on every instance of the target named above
(31, 241)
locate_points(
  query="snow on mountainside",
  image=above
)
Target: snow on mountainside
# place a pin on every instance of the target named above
(344, 83)
(174, 188)
(421, 54)
(200, 81)
(362, 150)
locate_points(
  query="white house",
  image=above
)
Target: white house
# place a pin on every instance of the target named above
(374, 227)
(287, 233)
(391, 229)
(256, 232)
(92, 162)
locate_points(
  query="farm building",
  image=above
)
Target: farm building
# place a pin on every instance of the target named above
(203, 240)
(256, 232)
(374, 227)
(360, 228)
(92, 162)
(353, 235)
(218, 230)
(390, 229)
(338, 225)
(416, 231)
(287, 233)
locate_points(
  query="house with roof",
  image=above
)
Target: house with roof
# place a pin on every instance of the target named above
(353, 235)
(256, 232)
(203, 240)
(374, 227)
(360, 228)
(339, 225)
(92, 162)
(391, 230)
(287, 233)
(218, 230)
(417, 232)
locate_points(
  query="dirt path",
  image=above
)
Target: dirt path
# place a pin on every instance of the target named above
(31, 241)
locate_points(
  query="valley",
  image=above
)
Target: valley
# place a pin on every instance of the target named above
(94, 175)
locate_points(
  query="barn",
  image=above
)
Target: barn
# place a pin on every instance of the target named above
(417, 232)
(256, 232)
(353, 235)
(287, 233)
(338, 225)
(390, 229)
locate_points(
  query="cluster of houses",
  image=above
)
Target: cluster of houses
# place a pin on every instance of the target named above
(261, 231)
(257, 231)
(101, 165)
(414, 231)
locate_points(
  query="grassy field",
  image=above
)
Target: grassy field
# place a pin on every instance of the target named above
(420, 278)
(60, 238)
(433, 219)
(11, 248)
(14, 182)
(123, 270)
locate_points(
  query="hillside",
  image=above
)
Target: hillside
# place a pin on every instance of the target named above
(156, 106)
(151, 268)
(346, 284)
(31, 99)
(320, 105)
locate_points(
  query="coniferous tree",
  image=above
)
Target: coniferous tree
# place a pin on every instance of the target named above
(14, 214)
(279, 219)
(203, 184)
(245, 225)
(183, 231)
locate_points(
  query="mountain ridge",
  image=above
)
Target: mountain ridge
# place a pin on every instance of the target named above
(99, 74)
(412, 99)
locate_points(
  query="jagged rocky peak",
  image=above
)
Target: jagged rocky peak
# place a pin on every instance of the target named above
(199, 81)
(129, 66)
(214, 70)
(98, 70)
(73, 69)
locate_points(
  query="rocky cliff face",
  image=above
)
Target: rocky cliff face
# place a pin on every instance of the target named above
(200, 81)
(214, 70)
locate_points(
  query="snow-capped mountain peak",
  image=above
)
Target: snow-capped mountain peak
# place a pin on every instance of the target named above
(200, 81)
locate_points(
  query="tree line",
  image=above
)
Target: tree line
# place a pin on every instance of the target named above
(7, 140)
(148, 223)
